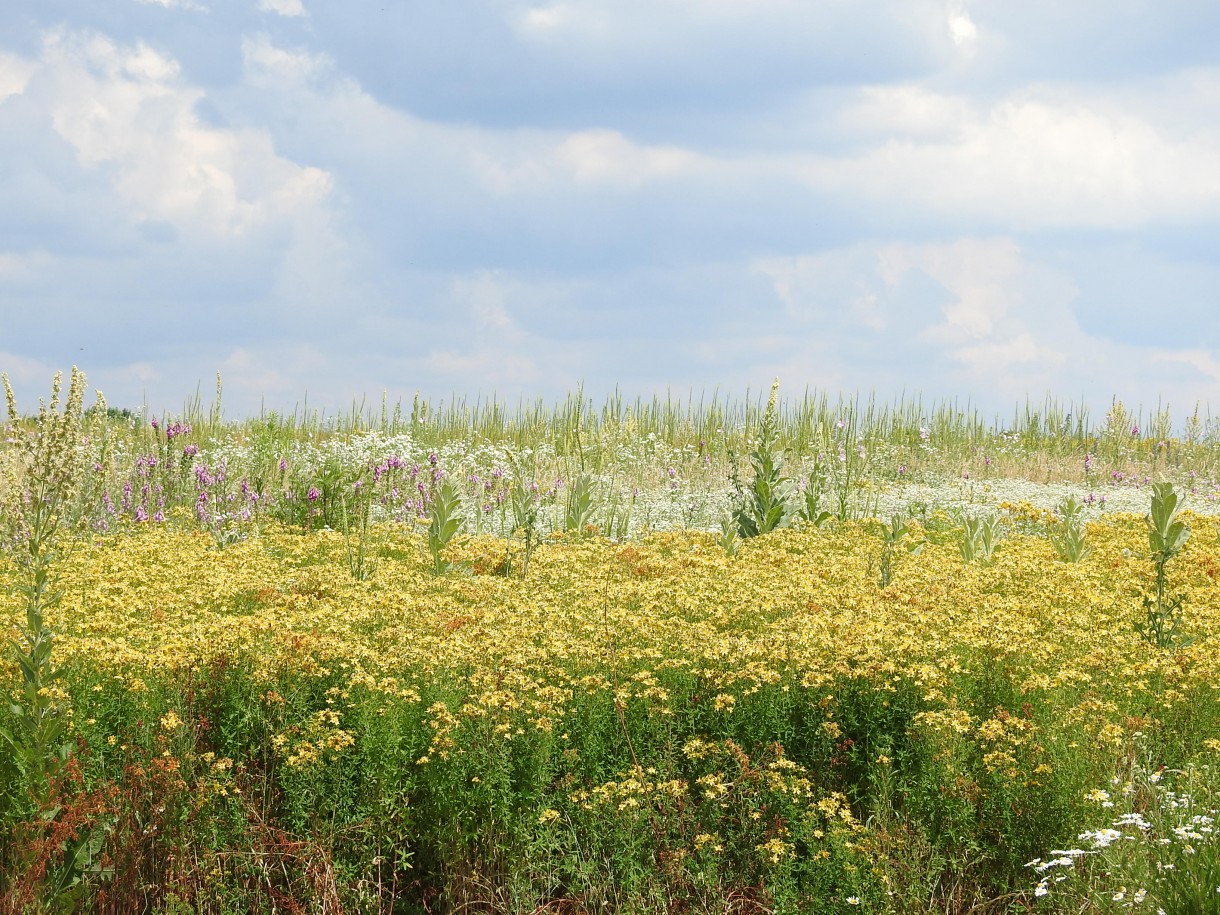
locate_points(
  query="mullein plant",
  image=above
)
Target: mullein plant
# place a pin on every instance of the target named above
(1161, 625)
(444, 522)
(979, 536)
(36, 729)
(762, 506)
(578, 513)
(1068, 536)
(522, 501)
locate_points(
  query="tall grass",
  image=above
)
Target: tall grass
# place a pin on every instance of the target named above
(668, 458)
(1035, 437)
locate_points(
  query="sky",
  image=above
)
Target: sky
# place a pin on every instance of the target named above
(328, 200)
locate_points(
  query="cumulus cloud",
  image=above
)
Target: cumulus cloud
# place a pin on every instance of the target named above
(127, 107)
(979, 314)
(23, 267)
(1041, 157)
(977, 302)
(989, 360)
(962, 29)
(288, 8)
(983, 276)
(831, 287)
(15, 72)
(766, 45)
(28, 377)
(597, 156)
(176, 4)
(494, 346)
(272, 67)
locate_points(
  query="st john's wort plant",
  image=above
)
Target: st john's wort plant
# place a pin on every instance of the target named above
(313, 496)
(1068, 536)
(762, 504)
(897, 535)
(1161, 625)
(357, 507)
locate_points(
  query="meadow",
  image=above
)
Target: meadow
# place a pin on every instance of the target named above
(722, 656)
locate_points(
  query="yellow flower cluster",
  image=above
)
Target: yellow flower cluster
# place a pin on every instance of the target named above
(798, 609)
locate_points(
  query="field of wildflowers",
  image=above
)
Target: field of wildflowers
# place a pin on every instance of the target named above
(659, 658)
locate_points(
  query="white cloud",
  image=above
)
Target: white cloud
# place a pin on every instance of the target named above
(1045, 156)
(31, 378)
(830, 286)
(270, 369)
(497, 350)
(1021, 351)
(993, 320)
(15, 73)
(990, 309)
(176, 4)
(607, 157)
(863, 282)
(141, 372)
(982, 275)
(128, 107)
(269, 66)
(283, 7)
(962, 30)
(23, 267)
(702, 40)
(542, 19)
(904, 110)
(1205, 363)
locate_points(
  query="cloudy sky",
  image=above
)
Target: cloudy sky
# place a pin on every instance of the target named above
(323, 199)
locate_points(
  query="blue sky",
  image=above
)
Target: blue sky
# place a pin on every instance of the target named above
(967, 199)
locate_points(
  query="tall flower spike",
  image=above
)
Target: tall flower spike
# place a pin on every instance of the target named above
(10, 398)
(769, 422)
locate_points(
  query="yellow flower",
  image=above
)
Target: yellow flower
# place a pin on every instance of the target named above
(724, 702)
(170, 721)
